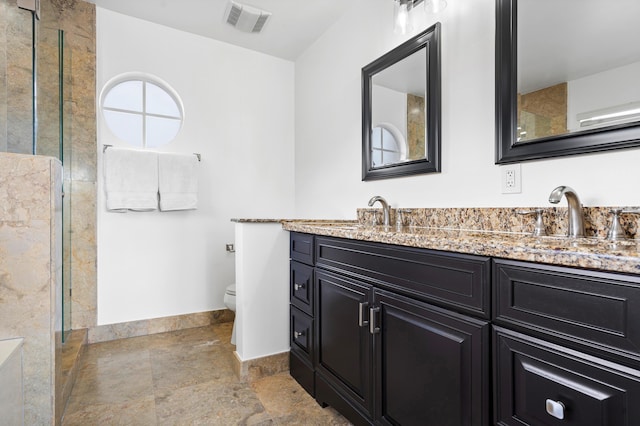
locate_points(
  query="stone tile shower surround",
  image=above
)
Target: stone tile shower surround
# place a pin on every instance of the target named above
(31, 275)
(506, 219)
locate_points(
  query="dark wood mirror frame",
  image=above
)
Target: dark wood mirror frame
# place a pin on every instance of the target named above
(507, 151)
(429, 40)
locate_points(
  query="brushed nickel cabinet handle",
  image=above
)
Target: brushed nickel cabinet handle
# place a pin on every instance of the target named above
(555, 409)
(298, 334)
(361, 321)
(373, 329)
(297, 287)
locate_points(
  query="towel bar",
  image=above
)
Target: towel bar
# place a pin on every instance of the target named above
(105, 146)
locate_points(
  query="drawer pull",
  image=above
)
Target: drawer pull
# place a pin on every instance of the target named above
(298, 334)
(373, 329)
(297, 287)
(555, 409)
(361, 321)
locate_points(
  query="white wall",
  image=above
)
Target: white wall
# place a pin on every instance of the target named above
(239, 109)
(390, 107)
(262, 290)
(328, 133)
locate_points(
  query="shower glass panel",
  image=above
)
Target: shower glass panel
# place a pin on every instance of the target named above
(66, 137)
(54, 109)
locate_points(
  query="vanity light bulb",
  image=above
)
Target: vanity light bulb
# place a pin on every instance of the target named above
(401, 21)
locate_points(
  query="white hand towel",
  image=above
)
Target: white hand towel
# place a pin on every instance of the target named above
(178, 182)
(130, 180)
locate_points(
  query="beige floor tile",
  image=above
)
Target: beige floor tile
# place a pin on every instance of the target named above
(183, 378)
(140, 412)
(220, 402)
(182, 365)
(117, 378)
(288, 403)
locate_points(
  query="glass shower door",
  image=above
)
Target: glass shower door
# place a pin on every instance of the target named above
(54, 111)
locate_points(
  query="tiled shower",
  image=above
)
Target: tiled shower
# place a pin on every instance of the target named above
(47, 108)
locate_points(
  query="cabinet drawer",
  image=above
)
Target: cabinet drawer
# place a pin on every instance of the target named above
(301, 247)
(531, 374)
(301, 334)
(447, 279)
(596, 309)
(301, 287)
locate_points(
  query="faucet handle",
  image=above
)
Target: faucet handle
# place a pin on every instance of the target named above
(539, 229)
(616, 231)
(374, 218)
(400, 218)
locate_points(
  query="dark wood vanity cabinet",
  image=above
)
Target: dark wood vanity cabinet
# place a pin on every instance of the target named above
(391, 346)
(394, 335)
(301, 325)
(566, 346)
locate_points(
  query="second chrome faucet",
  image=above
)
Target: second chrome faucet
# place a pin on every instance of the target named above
(385, 208)
(576, 219)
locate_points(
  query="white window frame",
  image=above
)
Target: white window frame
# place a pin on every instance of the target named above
(145, 79)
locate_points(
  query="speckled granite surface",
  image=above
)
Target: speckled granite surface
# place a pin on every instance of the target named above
(591, 253)
(256, 220)
(506, 219)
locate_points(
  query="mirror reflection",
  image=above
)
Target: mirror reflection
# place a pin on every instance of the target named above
(578, 63)
(398, 114)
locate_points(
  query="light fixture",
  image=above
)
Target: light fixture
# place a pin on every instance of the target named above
(618, 114)
(434, 6)
(401, 20)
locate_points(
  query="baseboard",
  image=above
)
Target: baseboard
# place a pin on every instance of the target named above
(258, 368)
(104, 333)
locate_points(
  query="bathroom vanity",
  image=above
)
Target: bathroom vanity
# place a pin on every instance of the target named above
(402, 327)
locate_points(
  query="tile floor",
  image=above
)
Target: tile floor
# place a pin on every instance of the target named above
(183, 378)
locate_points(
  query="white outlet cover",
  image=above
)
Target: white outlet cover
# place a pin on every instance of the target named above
(511, 179)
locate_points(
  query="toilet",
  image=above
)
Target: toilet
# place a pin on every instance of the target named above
(230, 303)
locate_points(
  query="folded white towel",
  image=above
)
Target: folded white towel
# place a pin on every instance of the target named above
(178, 182)
(130, 180)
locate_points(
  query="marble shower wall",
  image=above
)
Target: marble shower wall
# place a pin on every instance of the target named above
(16, 83)
(31, 274)
(78, 20)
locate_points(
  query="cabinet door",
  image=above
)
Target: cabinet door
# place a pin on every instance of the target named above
(343, 345)
(431, 365)
(543, 384)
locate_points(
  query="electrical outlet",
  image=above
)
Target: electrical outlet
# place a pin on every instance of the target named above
(511, 179)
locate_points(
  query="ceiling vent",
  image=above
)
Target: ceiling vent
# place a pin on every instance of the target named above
(246, 18)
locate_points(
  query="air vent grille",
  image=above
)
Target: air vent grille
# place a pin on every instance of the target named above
(260, 23)
(234, 14)
(246, 18)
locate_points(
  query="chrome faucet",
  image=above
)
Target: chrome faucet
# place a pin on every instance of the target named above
(385, 207)
(576, 219)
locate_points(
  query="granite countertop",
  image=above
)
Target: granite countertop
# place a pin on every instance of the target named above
(590, 253)
(257, 220)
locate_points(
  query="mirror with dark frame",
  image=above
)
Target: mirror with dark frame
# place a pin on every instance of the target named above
(401, 109)
(566, 77)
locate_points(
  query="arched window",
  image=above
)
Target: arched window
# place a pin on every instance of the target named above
(387, 145)
(142, 110)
